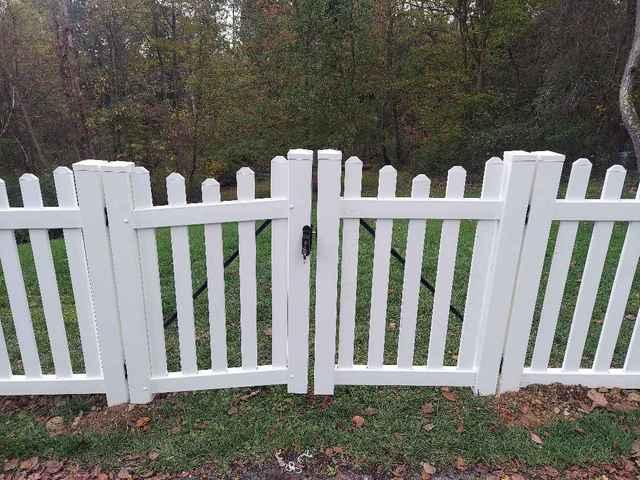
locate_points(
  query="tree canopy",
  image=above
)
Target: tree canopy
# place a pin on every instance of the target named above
(204, 86)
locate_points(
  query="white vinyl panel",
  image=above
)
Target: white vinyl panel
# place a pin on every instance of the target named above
(5, 364)
(247, 247)
(485, 233)
(380, 279)
(420, 188)
(349, 266)
(78, 270)
(148, 249)
(182, 277)
(446, 268)
(592, 274)
(618, 300)
(45, 271)
(279, 189)
(215, 281)
(578, 182)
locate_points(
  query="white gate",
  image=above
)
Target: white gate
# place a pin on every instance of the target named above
(500, 213)
(546, 208)
(132, 223)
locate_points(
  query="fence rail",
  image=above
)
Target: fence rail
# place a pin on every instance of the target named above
(109, 224)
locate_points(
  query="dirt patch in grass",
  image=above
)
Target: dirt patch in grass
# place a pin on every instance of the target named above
(537, 405)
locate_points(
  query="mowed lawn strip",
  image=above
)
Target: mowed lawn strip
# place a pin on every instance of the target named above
(218, 426)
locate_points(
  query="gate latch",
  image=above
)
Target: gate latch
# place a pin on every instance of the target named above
(306, 241)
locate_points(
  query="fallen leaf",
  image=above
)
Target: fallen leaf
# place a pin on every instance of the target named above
(29, 463)
(124, 474)
(426, 408)
(536, 438)
(427, 471)
(634, 397)
(11, 464)
(52, 466)
(635, 448)
(428, 427)
(233, 410)
(460, 427)
(153, 455)
(598, 399)
(399, 471)
(338, 450)
(268, 332)
(460, 463)
(143, 422)
(55, 425)
(451, 396)
(103, 476)
(357, 421)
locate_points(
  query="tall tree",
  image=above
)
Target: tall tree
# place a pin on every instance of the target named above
(628, 111)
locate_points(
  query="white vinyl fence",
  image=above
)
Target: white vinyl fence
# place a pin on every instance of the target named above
(109, 223)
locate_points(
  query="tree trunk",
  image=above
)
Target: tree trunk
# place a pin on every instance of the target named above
(627, 110)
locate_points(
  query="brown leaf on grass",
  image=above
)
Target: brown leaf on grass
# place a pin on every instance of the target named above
(124, 474)
(427, 408)
(143, 422)
(427, 471)
(634, 397)
(55, 425)
(11, 464)
(535, 438)
(460, 427)
(153, 455)
(598, 399)
(428, 427)
(268, 332)
(357, 421)
(233, 410)
(29, 464)
(460, 464)
(449, 395)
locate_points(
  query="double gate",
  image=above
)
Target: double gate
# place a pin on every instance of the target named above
(111, 227)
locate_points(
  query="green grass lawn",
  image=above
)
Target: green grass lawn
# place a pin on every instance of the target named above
(188, 429)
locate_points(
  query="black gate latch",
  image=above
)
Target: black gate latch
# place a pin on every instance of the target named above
(306, 241)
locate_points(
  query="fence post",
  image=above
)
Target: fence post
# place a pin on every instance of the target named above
(505, 257)
(97, 249)
(300, 165)
(328, 231)
(118, 189)
(534, 247)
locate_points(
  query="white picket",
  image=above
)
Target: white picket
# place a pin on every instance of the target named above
(543, 198)
(45, 271)
(12, 271)
(483, 242)
(91, 201)
(420, 188)
(148, 252)
(176, 195)
(380, 278)
(328, 228)
(248, 301)
(215, 280)
(300, 176)
(279, 189)
(78, 270)
(554, 292)
(592, 274)
(349, 266)
(446, 269)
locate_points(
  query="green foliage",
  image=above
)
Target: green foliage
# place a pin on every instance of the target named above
(205, 87)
